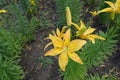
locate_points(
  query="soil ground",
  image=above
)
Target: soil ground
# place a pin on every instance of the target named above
(35, 65)
(33, 51)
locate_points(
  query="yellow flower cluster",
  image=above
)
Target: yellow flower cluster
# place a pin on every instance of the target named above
(114, 8)
(82, 31)
(64, 46)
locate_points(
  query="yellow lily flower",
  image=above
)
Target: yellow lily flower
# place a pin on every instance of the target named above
(32, 2)
(65, 49)
(68, 16)
(57, 34)
(60, 34)
(3, 11)
(94, 13)
(85, 33)
(114, 8)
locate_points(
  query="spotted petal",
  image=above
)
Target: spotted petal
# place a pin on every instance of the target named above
(57, 42)
(92, 37)
(75, 57)
(89, 31)
(97, 37)
(53, 52)
(76, 44)
(63, 60)
(67, 37)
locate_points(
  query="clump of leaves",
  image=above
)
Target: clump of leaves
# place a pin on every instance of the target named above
(96, 77)
(8, 46)
(10, 70)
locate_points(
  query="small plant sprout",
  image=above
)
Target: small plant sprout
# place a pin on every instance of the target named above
(114, 8)
(65, 49)
(86, 33)
(2, 11)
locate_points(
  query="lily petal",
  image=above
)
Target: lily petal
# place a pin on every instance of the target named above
(58, 32)
(75, 45)
(89, 31)
(68, 16)
(3, 11)
(62, 32)
(111, 4)
(82, 25)
(57, 42)
(63, 29)
(106, 10)
(117, 3)
(75, 57)
(63, 60)
(96, 36)
(53, 52)
(67, 37)
(92, 37)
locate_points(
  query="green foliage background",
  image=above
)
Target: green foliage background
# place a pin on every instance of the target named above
(15, 29)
